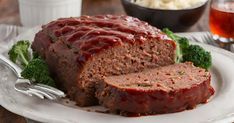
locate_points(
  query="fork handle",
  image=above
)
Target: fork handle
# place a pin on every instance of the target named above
(16, 69)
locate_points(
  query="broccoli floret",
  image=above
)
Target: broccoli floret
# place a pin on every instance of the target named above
(34, 69)
(198, 56)
(186, 52)
(37, 71)
(183, 43)
(19, 52)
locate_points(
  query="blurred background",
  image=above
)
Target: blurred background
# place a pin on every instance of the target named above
(9, 12)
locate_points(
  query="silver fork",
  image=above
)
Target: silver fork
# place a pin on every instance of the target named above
(29, 88)
(208, 38)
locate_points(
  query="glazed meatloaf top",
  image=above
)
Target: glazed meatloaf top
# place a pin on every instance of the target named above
(88, 35)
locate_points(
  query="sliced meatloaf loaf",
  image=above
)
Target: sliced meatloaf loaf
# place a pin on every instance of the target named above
(80, 51)
(166, 89)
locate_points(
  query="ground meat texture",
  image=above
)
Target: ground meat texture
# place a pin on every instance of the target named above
(166, 89)
(80, 51)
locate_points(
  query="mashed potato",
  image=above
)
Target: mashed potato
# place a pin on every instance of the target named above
(169, 4)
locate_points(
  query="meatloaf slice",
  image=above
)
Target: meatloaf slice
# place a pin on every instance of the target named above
(167, 89)
(80, 51)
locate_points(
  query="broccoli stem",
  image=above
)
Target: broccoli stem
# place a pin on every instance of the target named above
(24, 60)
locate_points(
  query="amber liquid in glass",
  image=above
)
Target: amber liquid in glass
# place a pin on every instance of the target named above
(222, 19)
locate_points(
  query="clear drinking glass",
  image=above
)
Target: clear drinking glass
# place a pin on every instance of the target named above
(222, 19)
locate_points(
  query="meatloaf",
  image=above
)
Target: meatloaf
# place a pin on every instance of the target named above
(80, 51)
(166, 89)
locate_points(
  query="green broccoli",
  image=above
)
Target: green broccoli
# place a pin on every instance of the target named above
(183, 43)
(186, 52)
(19, 52)
(198, 56)
(37, 70)
(34, 69)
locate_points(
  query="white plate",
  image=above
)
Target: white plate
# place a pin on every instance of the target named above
(219, 109)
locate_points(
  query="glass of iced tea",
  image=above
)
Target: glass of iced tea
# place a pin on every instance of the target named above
(222, 19)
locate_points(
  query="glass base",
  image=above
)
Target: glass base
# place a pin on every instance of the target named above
(222, 39)
(223, 42)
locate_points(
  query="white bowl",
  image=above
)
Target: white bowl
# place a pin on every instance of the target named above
(39, 12)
